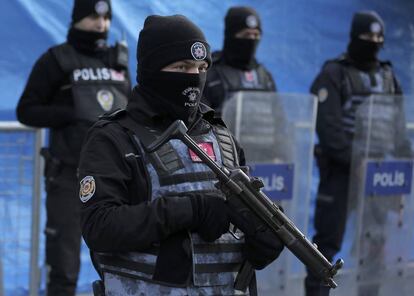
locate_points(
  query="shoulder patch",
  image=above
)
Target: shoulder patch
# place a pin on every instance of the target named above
(322, 94)
(87, 188)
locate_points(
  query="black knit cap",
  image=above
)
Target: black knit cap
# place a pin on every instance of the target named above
(239, 18)
(168, 39)
(366, 22)
(84, 8)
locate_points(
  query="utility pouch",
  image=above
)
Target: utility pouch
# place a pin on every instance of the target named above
(120, 55)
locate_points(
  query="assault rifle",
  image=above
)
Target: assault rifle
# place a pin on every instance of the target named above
(248, 191)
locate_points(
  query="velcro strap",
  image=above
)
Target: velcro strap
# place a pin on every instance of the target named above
(121, 263)
(217, 267)
(190, 177)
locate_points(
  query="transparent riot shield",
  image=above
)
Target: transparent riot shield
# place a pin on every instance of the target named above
(276, 131)
(380, 203)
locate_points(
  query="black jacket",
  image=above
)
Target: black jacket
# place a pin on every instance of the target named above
(47, 102)
(118, 216)
(334, 143)
(223, 79)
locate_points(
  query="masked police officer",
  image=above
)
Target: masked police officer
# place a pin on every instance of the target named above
(341, 87)
(69, 87)
(155, 222)
(235, 68)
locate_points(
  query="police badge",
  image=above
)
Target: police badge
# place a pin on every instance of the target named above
(198, 51)
(87, 188)
(105, 99)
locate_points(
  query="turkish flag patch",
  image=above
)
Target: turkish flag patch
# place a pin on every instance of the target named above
(207, 148)
(249, 76)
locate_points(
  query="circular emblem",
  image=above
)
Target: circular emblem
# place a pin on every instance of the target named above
(87, 188)
(198, 51)
(106, 99)
(376, 27)
(251, 22)
(101, 7)
(322, 95)
(192, 93)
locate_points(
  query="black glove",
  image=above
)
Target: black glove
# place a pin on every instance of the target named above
(262, 248)
(210, 216)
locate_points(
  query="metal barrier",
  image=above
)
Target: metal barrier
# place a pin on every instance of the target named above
(22, 145)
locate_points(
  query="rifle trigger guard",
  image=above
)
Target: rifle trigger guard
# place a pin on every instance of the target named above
(233, 232)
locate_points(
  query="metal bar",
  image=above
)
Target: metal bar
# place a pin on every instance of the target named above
(34, 281)
(14, 126)
(1, 277)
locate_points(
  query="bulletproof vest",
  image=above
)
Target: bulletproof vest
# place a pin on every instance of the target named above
(234, 80)
(95, 89)
(175, 170)
(358, 86)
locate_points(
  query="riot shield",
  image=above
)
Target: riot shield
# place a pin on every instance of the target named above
(276, 131)
(380, 203)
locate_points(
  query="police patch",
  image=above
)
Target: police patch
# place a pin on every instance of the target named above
(192, 93)
(87, 188)
(376, 27)
(106, 99)
(101, 8)
(251, 22)
(198, 51)
(322, 95)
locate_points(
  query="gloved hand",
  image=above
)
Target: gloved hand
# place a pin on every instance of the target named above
(210, 216)
(262, 248)
(261, 245)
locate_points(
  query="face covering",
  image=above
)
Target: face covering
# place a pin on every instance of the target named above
(240, 52)
(175, 95)
(364, 51)
(87, 41)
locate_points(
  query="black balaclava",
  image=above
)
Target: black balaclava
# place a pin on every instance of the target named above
(238, 52)
(84, 40)
(163, 41)
(363, 52)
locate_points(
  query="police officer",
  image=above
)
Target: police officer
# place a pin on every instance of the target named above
(155, 222)
(69, 87)
(235, 68)
(341, 87)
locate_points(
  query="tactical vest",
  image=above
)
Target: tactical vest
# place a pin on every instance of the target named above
(174, 170)
(359, 85)
(96, 88)
(235, 80)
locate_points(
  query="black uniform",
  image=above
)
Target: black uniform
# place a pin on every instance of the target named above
(120, 214)
(337, 86)
(223, 80)
(235, 68)
(341, 86)
(69, 86)
(155, 222)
